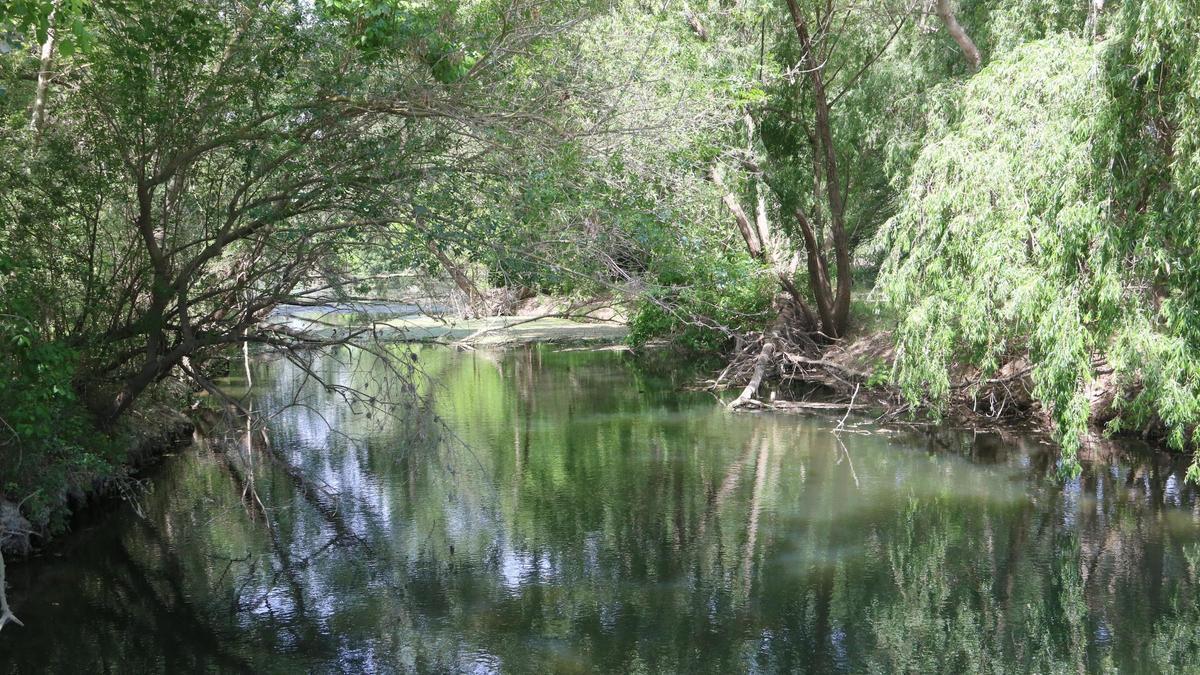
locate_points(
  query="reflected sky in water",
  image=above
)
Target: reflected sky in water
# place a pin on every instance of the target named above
(543, 511)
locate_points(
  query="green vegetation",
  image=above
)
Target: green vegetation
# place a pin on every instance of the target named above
(47, 428)
(1016, 184)
(1053, 213)
(986, 253)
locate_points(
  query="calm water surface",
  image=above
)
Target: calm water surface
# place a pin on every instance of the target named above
(543, 511)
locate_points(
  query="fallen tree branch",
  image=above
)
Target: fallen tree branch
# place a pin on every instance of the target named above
(811, 405)
(6, 615)
(850, 407)
(760, 369)
(827, 365)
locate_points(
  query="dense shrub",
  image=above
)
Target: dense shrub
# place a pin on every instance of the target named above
(697, 307)
(47, 439)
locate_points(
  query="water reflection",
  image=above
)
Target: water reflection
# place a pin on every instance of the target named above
(566, 512)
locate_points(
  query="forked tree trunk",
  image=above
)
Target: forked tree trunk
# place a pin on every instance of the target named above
(818, 276)
(759, 243)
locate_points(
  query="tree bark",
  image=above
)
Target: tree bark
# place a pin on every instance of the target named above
(693, 22)
(959, 34)
(762, 224)
(464, 283)
(37, 120)
(835, 326)
(1095, 9)
(818, 277)
(758, 243)
(753, 245)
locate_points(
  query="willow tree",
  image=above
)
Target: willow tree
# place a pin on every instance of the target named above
(1054, 216)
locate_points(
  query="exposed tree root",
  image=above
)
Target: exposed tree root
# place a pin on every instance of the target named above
(788, 358)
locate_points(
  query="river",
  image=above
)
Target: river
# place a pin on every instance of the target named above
(538, 510)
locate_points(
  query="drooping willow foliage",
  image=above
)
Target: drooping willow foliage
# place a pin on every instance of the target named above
(1054, 214)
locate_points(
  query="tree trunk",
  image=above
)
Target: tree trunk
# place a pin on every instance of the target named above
(37, 120)
(154, 317)
(693, 22)
(753, 244)
(759, 243)
(839, 312)
(464, 283)
(959, 34)
(762, 224)
(1095, 9)
(818, 277)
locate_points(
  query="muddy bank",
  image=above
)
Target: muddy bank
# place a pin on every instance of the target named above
(494, 331)
(537, 319)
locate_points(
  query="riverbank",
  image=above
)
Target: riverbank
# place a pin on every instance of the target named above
(855, 374)
(505, 331)
(149, 432)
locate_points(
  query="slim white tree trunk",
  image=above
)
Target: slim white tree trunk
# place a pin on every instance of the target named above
(1095, 9)
(760, 369)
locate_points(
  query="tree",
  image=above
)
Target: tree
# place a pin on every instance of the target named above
(244, 152)
(1054, 217)
(798, 135)
(199, 166)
